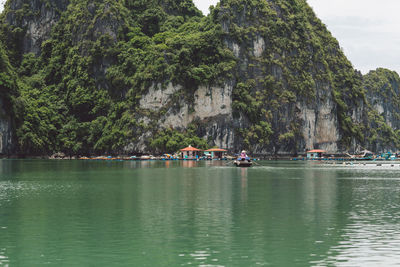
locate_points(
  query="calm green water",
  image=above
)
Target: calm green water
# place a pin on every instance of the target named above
(87, 213)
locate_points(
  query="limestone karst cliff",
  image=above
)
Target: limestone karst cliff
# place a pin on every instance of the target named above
(8, 92)
(35, 19)
(152, 76)
(383, 109)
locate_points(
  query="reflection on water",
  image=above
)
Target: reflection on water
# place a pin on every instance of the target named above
(171, 213)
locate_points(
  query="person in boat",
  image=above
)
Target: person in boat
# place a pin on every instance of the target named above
(243, 156)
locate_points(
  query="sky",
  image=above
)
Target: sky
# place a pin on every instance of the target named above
(367, 30)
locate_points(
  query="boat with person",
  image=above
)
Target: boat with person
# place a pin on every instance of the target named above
(243, 160)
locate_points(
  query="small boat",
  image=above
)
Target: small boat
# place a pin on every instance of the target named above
(243, 163)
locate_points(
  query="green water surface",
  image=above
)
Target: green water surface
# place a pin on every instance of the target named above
(95, 213)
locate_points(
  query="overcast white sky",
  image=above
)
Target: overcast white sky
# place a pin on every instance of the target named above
(368, 30)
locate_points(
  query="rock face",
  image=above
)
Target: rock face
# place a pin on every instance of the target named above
(37, 25)
(6, 144)
(320, 127)
(8, 92)
(383, 89)
(211, 105)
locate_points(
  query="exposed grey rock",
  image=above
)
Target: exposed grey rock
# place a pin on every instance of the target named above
(37, 26)
(6, 134)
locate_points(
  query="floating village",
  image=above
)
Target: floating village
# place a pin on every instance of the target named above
(188, 153)
(194, 154)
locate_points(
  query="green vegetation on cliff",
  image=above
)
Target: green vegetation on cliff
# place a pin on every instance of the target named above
(382, 88)
(8, 81)
(80, 93)
(8, 102)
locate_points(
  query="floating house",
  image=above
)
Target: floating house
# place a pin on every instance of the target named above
(190, 152)
(215, 153)
(315, 154)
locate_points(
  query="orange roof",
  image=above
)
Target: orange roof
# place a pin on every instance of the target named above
(316, 151)
(190, 148)
(216, 150)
